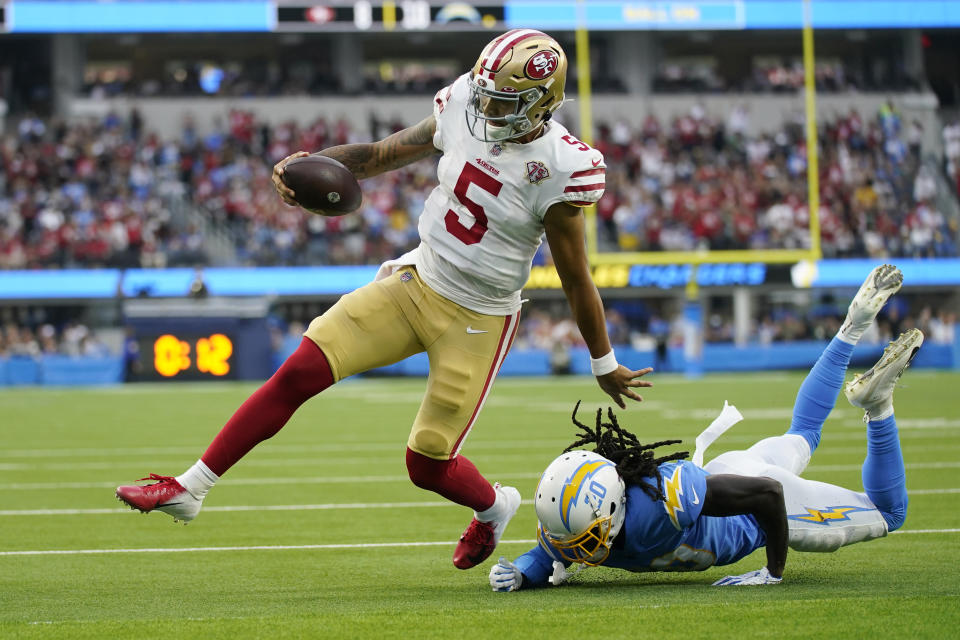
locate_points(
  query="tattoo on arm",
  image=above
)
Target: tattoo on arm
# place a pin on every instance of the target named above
(395, 151)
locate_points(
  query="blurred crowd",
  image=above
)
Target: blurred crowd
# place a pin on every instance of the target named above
(89, 195)
(265, 78)
(704, 183)
(790, 324)
(307, 71)
(549, 329)
(777, 75)
(233, 187)
(110, 193)
(72, 339)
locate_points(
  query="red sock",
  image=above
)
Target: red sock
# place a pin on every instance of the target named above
(304, 374)
(456, 480)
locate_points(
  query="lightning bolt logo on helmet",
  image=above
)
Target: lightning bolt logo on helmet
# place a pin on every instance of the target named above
(573, 487)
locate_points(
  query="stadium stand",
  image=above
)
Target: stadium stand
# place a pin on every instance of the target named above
(110, 193)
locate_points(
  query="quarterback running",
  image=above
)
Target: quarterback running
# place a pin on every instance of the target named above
(620, 506)
(508, 174)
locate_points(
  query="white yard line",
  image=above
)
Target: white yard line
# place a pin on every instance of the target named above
(293, 480)
(300, 547)
(305, 547)
(21, 486)
(238, 508)
(857, 467)
(308, 507)
(925, 531)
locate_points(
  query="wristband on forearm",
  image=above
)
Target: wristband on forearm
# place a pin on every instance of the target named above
(604, 364)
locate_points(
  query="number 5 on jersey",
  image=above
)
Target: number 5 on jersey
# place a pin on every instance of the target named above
(471, 175)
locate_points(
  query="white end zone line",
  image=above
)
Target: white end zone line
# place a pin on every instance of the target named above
(305, 547)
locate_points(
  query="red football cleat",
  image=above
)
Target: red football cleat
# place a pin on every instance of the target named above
(481, 538)
(166, 495)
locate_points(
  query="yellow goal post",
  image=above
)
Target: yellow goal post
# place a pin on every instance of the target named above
(769, 256)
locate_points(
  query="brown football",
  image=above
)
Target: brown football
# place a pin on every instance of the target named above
(323, 185)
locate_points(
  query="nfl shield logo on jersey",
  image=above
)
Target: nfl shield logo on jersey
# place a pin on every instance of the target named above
(537, 172)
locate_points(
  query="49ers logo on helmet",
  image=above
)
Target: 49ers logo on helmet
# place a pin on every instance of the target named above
(541, 65)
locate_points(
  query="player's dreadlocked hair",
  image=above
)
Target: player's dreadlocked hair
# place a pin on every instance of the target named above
(634, 461)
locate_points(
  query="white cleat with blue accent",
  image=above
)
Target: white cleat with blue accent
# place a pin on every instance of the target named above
(883, 282)
(872, 390)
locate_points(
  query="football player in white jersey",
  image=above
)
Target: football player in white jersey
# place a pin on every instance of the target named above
(508, 174)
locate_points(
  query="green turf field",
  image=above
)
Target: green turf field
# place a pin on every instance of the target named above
(319, 533)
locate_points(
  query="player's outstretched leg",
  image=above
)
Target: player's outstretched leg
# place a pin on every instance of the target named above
(818, 393)
(486, 529)
(303, 375)
(884, 476)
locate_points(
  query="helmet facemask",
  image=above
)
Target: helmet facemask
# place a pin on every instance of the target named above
(494, 116)
(590, 547)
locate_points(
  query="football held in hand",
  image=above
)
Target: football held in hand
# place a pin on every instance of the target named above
(323, 185)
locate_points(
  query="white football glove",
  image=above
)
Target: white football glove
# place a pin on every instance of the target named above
(561, 574)
(760, 576)
(505, 576)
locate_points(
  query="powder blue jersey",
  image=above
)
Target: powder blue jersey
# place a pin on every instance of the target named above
(664, 536)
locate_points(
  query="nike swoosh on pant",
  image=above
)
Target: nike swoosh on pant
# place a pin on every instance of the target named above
(472, 330)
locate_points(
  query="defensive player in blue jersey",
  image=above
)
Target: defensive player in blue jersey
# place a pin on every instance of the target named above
(620, 506)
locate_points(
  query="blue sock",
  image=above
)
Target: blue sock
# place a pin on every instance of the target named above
(819, 390)
(884, 476)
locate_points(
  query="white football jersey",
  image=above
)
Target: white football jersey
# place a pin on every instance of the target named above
(483, 223)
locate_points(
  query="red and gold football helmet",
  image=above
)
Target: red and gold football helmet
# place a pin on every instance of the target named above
(515, 85)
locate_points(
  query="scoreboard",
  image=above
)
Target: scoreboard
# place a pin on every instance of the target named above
(207, 339)
(387, 15)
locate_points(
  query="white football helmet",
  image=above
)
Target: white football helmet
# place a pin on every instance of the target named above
(515, 85)
(580, 504)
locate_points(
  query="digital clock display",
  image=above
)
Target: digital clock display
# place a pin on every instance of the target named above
(187, 357)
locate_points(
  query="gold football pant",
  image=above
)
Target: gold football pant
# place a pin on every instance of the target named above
(388, 320)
